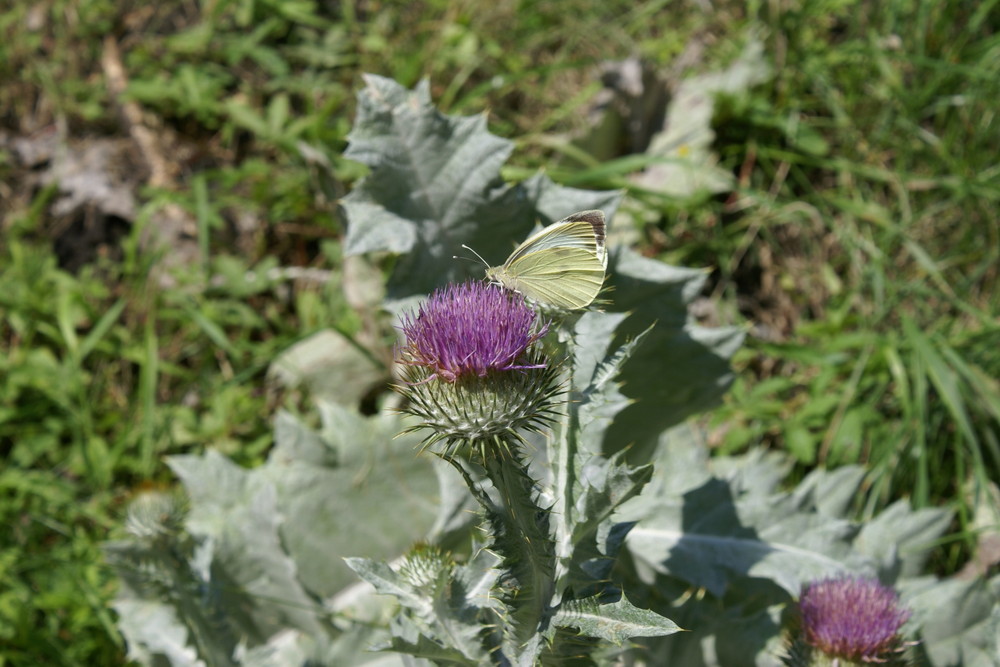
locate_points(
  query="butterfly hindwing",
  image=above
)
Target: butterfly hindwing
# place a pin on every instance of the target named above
(562, 277)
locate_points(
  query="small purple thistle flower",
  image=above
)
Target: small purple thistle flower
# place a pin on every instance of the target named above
(470, 329)
(853, 618)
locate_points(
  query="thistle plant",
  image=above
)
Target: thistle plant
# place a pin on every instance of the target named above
(475, 377)
(847, 622)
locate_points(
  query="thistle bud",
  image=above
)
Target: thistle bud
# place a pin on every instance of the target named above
(472, 370)
(849, 621)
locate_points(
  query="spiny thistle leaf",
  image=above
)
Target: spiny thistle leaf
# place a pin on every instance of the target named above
(260, 546)
(595, 367)
(680, 368)
(420, 159)
(706, 538)
(320, 481)
(170, 642)
(615, 622)
(900, 538)
(245, 529)
(388, 581)
(725, 529)
(596, 537)
(959, 621)
(291, 647)
(423, 647)
(587, 487)
(446, 604)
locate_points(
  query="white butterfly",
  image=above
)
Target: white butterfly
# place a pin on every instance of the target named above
(562, 265)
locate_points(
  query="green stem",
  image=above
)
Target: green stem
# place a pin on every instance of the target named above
(522, 539)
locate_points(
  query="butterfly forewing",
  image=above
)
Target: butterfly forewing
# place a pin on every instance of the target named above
(561, 265)
(585, 229)
(559, 235)
(596, 221)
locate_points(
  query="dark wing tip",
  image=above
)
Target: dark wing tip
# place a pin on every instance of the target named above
(597, 221)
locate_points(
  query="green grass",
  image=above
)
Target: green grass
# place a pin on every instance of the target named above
(98, 381)
(882, 250)
(862, 240)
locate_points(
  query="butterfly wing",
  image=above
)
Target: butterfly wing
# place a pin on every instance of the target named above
(581, 230)
(564, 277)
(561, 265)
(597, 225)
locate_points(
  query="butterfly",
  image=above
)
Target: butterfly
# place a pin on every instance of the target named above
(562, 266)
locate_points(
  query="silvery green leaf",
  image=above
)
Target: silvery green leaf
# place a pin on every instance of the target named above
(596, 364)
(244, 527)
(830, 492)
(681, 464)
(742, 637)
(520, 532)
(727, 529)
(587, 486)
(756, 474)
(315, 516)
(477, 578)
(353, 435)
(291, 648)
(604, 484)
(330, 365)
(680, 368)
(900, 539)
(595, 538)
(958, 621)
(456, 508)
(614, 622)
(443, 601)
(379, 499)
(284, 649)
(704, 539)
(155, 635)
(434, 185)
(752, 545)
(552, 202)
(388, 582)
(743, 630)
(269, 538)
(430, 651)
(172, 607)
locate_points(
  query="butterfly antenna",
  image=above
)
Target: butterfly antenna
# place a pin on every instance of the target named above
(474, 253)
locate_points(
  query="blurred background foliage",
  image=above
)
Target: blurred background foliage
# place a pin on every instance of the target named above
(169, 179)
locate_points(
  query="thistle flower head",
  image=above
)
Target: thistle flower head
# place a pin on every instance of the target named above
(472, 371)
(852, 619)
(470, 329)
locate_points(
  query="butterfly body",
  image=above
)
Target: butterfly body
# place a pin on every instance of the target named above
(561, 266)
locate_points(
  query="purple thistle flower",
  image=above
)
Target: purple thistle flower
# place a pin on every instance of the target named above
(460, 349)
(470, 329)
(853, 618)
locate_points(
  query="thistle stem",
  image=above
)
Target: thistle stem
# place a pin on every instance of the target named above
(522, 539)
